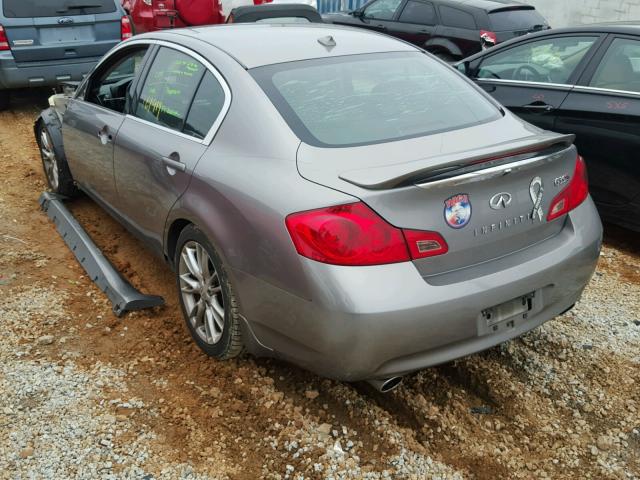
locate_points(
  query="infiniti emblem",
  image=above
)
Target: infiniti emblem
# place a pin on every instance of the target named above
(65, 20)
(500, 200)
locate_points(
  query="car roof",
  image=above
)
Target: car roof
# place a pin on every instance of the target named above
(491, 5)
(255, 45)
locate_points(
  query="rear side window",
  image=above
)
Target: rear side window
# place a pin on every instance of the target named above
(382, 9)
(55, 8)
(453, 17)
(169, 88)
(516, 20)
(375, 98)
(419, 12)
(620, 67)
(206, 106)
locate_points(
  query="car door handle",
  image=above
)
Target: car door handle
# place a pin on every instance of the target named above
(539, 107)
(175, 164)
(104, 135)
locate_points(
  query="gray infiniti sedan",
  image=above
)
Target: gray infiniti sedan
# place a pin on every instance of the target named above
(330, 196)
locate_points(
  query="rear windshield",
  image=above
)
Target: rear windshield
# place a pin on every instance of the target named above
(375, 98)
(516, 20)
(55, 8)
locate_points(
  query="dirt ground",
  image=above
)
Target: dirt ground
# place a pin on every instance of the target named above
(561, 402)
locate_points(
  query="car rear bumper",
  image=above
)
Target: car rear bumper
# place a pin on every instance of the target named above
(383, 321)
(41, 74)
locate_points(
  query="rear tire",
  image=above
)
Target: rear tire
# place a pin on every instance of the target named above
(54, 163)
(4, 99)
(207, 298)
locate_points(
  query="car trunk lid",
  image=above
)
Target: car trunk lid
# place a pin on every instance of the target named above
(487, 194)
(60, 31)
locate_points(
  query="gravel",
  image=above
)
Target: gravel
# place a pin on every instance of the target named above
(56, 420)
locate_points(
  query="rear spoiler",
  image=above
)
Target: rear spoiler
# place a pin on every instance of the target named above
(439, 167)
(512, 7)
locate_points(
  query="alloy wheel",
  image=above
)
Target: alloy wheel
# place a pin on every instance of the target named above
(201, 292)
(49, 159)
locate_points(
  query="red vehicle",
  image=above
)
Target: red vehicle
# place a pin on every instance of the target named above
(151, 15)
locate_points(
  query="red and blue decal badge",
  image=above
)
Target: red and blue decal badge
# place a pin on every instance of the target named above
(457, 210)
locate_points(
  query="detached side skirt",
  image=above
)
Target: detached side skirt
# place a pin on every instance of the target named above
(120, 292)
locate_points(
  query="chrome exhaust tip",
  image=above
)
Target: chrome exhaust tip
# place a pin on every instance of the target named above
(386, 384)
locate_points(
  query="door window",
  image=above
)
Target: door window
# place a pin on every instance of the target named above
(169, 89)
(207, 105)
(419, 12)
(453, 17)
(620, 67)
(382, 9)
(109, 86)
(551, 60)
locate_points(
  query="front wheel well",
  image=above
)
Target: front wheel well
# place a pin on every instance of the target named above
(172, 237)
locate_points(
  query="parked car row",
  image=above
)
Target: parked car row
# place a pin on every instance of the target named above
(47, 43)
(449, 29)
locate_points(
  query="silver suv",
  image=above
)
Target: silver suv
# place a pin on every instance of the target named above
(45, 43)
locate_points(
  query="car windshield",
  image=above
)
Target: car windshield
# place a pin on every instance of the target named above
(55, 8)
(516, 20)
(374, 98)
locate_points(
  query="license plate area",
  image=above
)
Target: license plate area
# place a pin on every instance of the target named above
(506, 315)
(53, 35)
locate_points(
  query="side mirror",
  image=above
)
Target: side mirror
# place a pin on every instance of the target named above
(358, 13)
(69, 87)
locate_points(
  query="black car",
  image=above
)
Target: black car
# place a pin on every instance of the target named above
(275, 13)
(581, 80)
(449, 29)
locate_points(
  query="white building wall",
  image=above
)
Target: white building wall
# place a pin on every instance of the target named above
(563, 13)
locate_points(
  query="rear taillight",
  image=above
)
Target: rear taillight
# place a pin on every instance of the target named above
(125, 28)
(425, 244)
(4, 41)
(488, 39)
(573, 194)
(355, 235)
